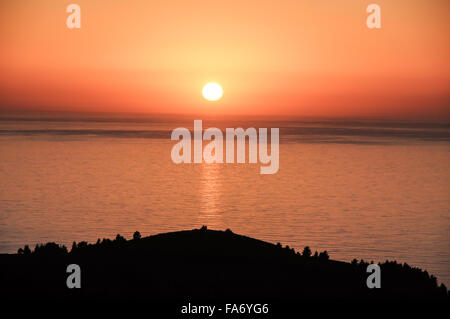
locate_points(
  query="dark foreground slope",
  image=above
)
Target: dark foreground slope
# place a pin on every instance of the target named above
(201, 264)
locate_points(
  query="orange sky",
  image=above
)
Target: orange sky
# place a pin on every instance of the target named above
(271, 57)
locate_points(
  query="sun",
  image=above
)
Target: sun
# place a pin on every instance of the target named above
(212, 92)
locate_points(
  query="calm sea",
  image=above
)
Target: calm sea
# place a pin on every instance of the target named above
(375, 190)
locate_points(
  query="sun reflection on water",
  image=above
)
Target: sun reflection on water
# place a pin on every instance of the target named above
(210, 196)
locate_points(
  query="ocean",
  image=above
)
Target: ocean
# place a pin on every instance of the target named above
(358, 188)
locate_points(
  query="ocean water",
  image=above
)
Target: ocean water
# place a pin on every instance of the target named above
(366, 189)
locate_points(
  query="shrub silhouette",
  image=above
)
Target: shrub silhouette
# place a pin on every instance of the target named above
(289, 249)
(82, 244)
(136, 235)
(306, 251)
(50, 249)
(120, 239)
(27, 250)
(24, 251)
(323, 256)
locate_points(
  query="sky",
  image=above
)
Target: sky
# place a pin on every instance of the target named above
(305, 58)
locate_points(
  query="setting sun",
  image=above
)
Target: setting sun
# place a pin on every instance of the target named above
(212, 92)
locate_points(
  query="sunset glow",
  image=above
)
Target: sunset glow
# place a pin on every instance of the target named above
(295, 58)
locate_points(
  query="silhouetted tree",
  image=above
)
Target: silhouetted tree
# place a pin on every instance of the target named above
(82, 244)
(289, 249)
(106, 242)
(136, 235)
(306, 251)
(26, 250)
(363, 264)
(204, 228)
(50, 249)
(443, 290)
(120, 239)
(433, 281)
(323, 256)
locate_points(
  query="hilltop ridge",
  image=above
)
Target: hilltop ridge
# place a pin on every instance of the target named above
(203, 264)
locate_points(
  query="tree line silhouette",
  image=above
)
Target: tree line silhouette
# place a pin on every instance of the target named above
(294, 273)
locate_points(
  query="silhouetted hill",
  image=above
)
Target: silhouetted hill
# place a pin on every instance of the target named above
(202, 264)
